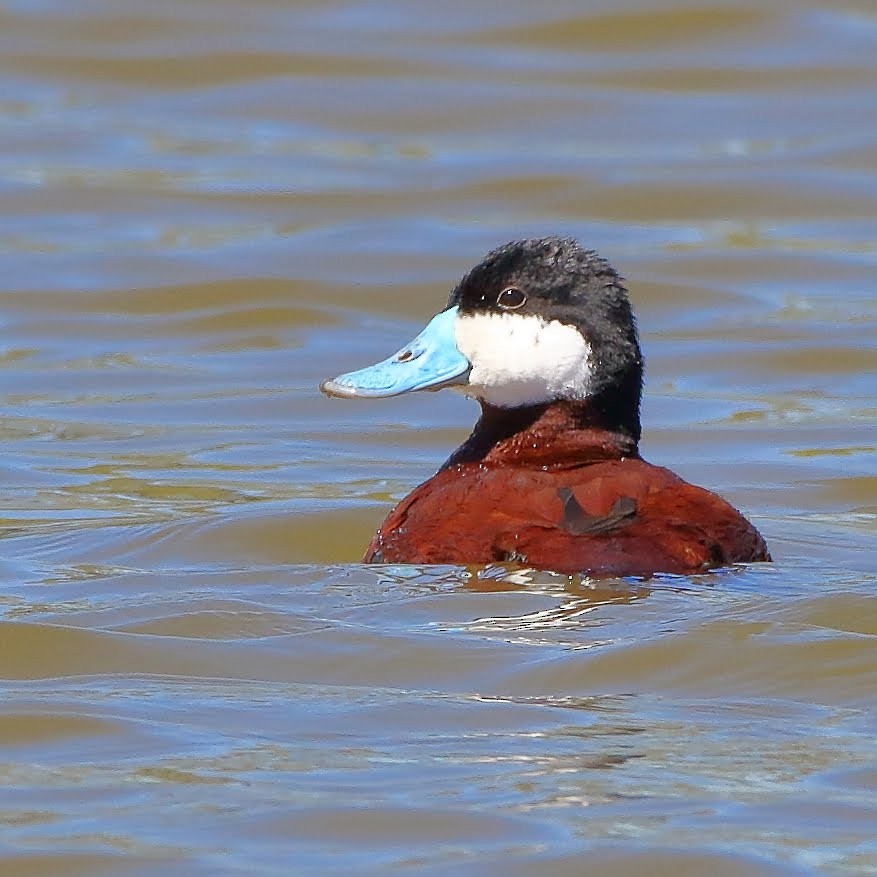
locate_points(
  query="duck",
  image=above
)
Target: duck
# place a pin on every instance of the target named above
(542, 334)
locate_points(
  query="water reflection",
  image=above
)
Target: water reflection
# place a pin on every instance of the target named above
(200, 200)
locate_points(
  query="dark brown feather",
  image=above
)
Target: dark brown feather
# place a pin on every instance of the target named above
(562, 496)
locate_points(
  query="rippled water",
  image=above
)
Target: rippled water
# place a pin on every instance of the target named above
(209, 206)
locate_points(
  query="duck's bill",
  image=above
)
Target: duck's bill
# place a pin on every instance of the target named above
(431, 361)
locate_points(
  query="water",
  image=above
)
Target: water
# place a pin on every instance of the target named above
(211, 206)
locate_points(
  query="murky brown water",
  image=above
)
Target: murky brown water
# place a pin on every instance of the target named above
(210, 205)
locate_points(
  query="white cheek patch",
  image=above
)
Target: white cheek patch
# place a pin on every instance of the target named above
(520, 359)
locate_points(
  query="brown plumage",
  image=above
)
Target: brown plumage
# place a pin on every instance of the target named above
(558, 494)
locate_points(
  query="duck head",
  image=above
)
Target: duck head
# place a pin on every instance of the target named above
(536, 322)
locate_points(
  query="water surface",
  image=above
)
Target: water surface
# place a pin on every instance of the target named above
(211, 206)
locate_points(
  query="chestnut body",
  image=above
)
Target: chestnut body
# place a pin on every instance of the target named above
(561, 495)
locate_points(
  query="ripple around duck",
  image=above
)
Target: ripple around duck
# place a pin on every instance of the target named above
(39, 729)
(547, 757)
(73, 863)
(210, 207)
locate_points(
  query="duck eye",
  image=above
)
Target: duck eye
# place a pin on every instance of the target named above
(511, 298)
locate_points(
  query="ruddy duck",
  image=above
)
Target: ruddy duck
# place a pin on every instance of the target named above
(542, 334)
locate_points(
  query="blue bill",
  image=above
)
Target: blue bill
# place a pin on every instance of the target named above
(429, 362)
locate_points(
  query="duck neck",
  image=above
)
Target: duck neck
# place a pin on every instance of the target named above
(556, 435)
